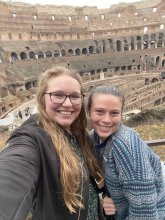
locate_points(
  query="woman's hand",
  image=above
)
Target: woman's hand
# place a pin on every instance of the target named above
(109, 206)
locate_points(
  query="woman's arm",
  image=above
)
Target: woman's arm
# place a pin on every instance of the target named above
(139, 184)
(19, 171)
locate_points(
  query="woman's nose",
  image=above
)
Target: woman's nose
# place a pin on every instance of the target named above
(67, 102)
(107, 118)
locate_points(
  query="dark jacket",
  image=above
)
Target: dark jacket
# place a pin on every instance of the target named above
(29, 177)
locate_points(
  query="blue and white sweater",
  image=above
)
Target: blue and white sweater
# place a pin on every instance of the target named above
(133, 176)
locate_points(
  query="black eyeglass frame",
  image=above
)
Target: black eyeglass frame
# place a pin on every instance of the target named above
(66, 96)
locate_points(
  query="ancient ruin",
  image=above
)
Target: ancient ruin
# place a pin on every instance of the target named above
(123, 45)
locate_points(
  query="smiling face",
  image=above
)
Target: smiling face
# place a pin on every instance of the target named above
(63, 114)
(105, 114)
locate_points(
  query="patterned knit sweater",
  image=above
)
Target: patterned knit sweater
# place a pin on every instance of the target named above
(133, 176)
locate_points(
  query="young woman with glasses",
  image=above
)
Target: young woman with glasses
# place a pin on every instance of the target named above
(48, 163)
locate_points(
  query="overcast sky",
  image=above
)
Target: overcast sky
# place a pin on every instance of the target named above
(99, 3)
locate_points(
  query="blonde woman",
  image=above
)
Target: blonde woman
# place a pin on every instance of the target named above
(48, 163)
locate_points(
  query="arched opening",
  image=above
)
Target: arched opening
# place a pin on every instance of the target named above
(157, 60)
(28, 85)
(48, 53)
(98, 70)
(132, 43)
(84, 51)
(14, 56)
(138, 39)
(117, 68)
(56, 53)
(160, 41)
(104, 46)
(63, 53)
(163, 62)
(40, 55)
(123, 68)
(32, 55)
(105, 70)
(118, 45)
(23, 56)
(145, 42)
(154, 80)
(91, 49)
(153, 40)
(70, 52)
(77, 52)
(147, 81)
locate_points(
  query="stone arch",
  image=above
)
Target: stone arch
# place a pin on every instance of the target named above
(153, 40)
(147, 81)
(63, 53)
(157, 60)
(126, 46)
(132, 43)
(91, 49)
(23, 56)
(48, 53)
(98, 70)
(92, 72)
(118, 45)
(117, 68)
(105, 70)
(14, 56)
(123, 68)
(84, 51)
(160, 39)
(163, 62)
(28, 85)
(154, 80)
(139, 44)
(70, 52)
(32, 55)
(138, 67)
(77, 51)
(145, 41)
(111, 44)
(104, 46)
(40, 54)
(56, 53)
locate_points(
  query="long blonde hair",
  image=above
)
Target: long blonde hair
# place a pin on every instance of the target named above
(70, 171)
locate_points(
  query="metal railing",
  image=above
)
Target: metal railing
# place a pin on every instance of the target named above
(157, 142)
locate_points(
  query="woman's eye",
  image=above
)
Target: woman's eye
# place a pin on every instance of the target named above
(56, 95)
(75, 97)
(99, 111)
(115, 113)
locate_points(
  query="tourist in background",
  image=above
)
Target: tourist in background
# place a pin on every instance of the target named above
(133, 173)
(48, 163)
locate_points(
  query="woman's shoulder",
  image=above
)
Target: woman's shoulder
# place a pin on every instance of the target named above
(29, 130)
(127, 139)
(125, 131)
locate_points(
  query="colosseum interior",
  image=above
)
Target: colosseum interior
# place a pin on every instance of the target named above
(123, 45)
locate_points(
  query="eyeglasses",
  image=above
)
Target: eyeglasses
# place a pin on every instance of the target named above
(59, 98)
